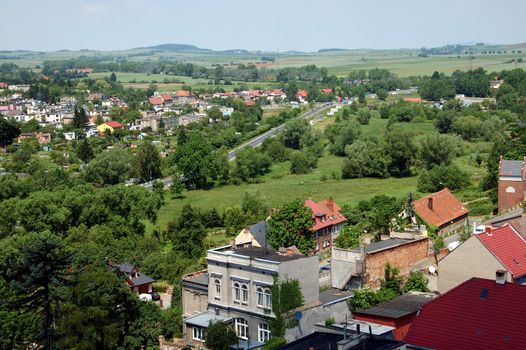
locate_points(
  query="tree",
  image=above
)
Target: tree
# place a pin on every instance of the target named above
(365, 159)
(158, 187)
(109, 167)
(349, 238)
(437, 149)
(84, 151)
(294, 132)
(291, 225)
(188, 233)
(40, 275)
(469, 127)
(363, 298)
(416, 282)
(364, 115)
(340, 136)
(113, 77)
(250, 164)
(148, 162)
(80, 119)
(300, 163)
(9, 130)
(441, 176)
(444, 121)
(177, 186)
(392, 280)
(219, 336)
(401, 150)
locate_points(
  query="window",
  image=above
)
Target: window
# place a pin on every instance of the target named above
(317, 245)
(263, 332)
(259, 293)
(268, 298)
(198, 333)
(242, 328)
(237, 292)
(217, 283)
(244, 293)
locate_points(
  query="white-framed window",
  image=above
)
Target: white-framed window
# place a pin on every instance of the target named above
(198, 333)
(263, 332)
(317, 245)
(237, 292)
(259, 293)
(244, 294)
(242, 328)
(268, 298)
(217, 283)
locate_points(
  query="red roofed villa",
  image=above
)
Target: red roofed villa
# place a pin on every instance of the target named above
(183, 93)
(443, 210)
(326, 91)
(302, 93)
(156, 100)
(328, 223)
(478, 314)
(482, 255)
(413, 99)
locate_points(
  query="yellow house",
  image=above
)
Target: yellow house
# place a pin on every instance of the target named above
(254, 234)
(110, 126)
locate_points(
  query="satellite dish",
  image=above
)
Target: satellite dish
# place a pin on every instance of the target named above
(432, 269)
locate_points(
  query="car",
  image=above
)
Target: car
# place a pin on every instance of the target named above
(155, 296)
(145, 297)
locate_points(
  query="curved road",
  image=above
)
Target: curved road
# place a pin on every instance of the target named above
(255, 142)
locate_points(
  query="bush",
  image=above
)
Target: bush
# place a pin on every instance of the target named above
(274, 343)
(441, 176)
(364, 116)
(300, 163)
(330, 321)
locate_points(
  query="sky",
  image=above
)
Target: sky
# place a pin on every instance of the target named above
(267, 25)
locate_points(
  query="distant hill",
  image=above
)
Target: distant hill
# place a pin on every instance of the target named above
(178, 48)
(331, 50)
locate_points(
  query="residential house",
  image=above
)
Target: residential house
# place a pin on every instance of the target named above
(327, 223)
(110, 126)
(477, 314)
(69, 136)
(255, 235)
(42, 138)
(500, 249)
(515, 218)
(442, 210)
(326, 91)
(138, 281)
(3, 86)
(183, 97)
(156, 100)
(366, 265)
(413, 99)
(512, 183)
(238, 285)
(398, 312)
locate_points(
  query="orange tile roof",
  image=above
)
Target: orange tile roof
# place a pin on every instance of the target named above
(183, 93)
(113, 124)
(326, 91)
(166, 97)
(413, 99)
(302, 93)
(325, 213)
(445, 207)
(156, 100)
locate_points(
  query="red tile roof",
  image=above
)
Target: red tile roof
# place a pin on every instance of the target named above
(445, 208)
(508, 246)
(302, 93)
(113, 124)
(183, 93)
(156, 100)
(166, 97)
(413, 99)
(326, 91)
(477, 314)
(325, 213)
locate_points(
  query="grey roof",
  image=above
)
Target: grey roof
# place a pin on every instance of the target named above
(401, 306)
(204, 319)
(511, 168)
(333, 295)
(265, 253)
(201, 278)
(386, 244)
(512, 214)
(125, 267)
(259, 231)
(141, 279)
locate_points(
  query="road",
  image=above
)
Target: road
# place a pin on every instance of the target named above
(255, 142)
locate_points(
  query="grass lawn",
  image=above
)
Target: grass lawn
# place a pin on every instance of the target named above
(279, 186)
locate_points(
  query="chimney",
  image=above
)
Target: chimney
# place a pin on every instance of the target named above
(330, 203)
(358, 328)
(217, 311)
(430, 203)
(500, 276)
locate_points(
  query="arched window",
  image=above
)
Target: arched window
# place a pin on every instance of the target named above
(237, 292)
(217, 283)
(268, 298)
(259, 292)
(263, 332)
(244, 294)
(242, 328)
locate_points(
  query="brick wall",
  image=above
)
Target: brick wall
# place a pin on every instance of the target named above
(511, 194)
(403, 257)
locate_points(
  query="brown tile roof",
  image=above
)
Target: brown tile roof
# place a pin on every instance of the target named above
(439, 208)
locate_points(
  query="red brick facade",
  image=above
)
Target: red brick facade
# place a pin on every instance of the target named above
(403, 257)
(511, 194)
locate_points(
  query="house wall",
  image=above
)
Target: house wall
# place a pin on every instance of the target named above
(344, 264)
(306, 270)
(511, 192)
(403, 257)
(401, 324)
(194, 301)
(457, 224)
(470, 259)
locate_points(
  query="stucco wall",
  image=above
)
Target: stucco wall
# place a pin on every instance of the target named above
(193, 301)
(470, 259)
(306, 270)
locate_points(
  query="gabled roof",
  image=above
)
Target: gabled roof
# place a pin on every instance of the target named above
(302, 93)
(477, 314)
(125, 267)
(508, 246)
(325, 213)
(511, 168)
(183, 93)
(166, 97)
(114, 124)
(445, 208)
(326, 91)
(401, 306)
(141, 279)
(259, 231)
(156, 100)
